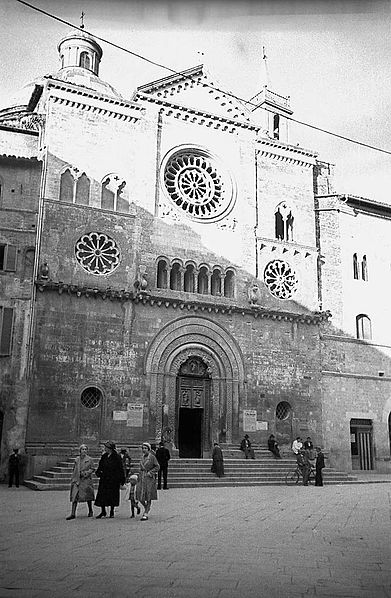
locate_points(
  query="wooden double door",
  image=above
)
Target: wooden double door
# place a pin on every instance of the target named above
(193, 414)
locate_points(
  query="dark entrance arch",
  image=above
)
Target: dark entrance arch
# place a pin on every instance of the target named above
(192, 407)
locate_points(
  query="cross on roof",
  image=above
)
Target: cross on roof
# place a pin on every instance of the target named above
(83, 14)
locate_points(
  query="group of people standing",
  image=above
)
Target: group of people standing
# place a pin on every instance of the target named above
(114, 470)
(305, 455)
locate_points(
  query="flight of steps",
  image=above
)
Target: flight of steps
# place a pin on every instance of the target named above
(192, 473)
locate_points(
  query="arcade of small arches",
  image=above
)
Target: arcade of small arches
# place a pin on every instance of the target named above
(190, 278)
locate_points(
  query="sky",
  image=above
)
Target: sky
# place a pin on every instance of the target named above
(331, 57)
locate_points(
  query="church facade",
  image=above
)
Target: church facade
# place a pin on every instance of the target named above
(193, 275)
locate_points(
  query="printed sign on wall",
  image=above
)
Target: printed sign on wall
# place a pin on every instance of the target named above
(135, 415)
(249, 420)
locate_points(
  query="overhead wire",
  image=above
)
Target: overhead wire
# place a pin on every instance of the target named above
(209, 85)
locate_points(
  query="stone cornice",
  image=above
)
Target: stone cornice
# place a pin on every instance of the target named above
(284, 151)
(74, 95)
(196, 306)
(286, 246)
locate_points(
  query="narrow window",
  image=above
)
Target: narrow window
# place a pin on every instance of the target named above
(67, 185)
(276, 126)
(364, 268)
(229, 284)
(355, 266)
(203, 281)
(83, 190)
(175, 277)
(283, 219)
(8, 256)
(189, 282)
(6, 322)
(84, 61)
(122, 202)
(216, 283)
(161, 274)
(107, 197)
(363, 327)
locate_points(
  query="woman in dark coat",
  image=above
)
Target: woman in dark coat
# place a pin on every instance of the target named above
(111, 476)
(319, 465)
(218, 461)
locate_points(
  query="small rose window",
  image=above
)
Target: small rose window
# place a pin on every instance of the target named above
(97, 253)
(280, 279)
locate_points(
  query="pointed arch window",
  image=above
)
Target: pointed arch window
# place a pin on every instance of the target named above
(114, 194)
(189, 279)
(276, 126)
(229, 284)
(175, 277)
(83, 190)
(162, 274)
(355, 267)
(85, 60)
(363, 327)
(364, 268)
(203, 281)
(67, 186)
(283, 219)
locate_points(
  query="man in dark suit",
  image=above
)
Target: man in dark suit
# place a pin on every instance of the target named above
(163, 457)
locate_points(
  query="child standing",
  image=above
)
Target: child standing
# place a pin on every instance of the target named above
(133, 479)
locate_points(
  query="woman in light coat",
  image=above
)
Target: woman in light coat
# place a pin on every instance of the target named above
(82, 486)
(146, 490)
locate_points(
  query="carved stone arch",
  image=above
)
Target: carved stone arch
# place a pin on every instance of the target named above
(202, 337)
(114, 193)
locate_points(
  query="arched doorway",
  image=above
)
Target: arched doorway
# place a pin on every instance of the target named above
(361, 443)
(192, 408)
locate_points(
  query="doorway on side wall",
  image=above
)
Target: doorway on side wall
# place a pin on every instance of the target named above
(193, 390)
(361, 443)
(90, 419)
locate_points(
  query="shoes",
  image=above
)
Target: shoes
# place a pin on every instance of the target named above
(111, 515)
(144, 518)
(132, 516)
(165, 488)
(100, 516)
(90, 514)
(70, 517)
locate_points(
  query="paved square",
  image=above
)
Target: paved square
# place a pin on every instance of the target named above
(276, 541)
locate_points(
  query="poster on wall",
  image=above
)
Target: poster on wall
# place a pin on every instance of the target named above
(135, 415)
(262, 425)
(249, 420)
(120, 416)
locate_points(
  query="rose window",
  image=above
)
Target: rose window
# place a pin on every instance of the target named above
(196, 186)
(280, 279)
(97, 253)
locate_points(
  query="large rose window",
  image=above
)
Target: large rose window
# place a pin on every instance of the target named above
(280, 279)
(197, 185)
(97, 253)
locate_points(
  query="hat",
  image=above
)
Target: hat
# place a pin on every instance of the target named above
(147, 445)
(133, 477)
(110, 445)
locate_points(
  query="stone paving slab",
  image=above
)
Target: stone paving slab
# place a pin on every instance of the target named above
(274, 542)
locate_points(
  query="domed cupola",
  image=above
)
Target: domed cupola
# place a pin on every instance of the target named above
(81, 50)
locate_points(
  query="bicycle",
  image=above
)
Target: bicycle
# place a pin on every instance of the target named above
(293, 477)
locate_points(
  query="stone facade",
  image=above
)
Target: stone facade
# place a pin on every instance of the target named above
(186, 260)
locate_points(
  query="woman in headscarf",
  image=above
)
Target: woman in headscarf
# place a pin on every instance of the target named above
(111, 476)
(146, 490)
(218, 461)
(82, 486)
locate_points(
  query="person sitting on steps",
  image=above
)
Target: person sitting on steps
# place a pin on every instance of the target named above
(245, 446)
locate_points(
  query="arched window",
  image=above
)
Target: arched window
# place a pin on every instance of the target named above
(203, 281)
(122, 201)
(283, 410)
(83, 190)
(364, 268)
(215, 282)
(355, 266)
(189, 280)
(161, 282)
(175, 277)
(229, 284)
(107, 197)
(363, 327)
(67, 186)
(85, 60)
(283, 219)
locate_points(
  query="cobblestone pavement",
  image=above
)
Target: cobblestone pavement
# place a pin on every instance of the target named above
(276, 541)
